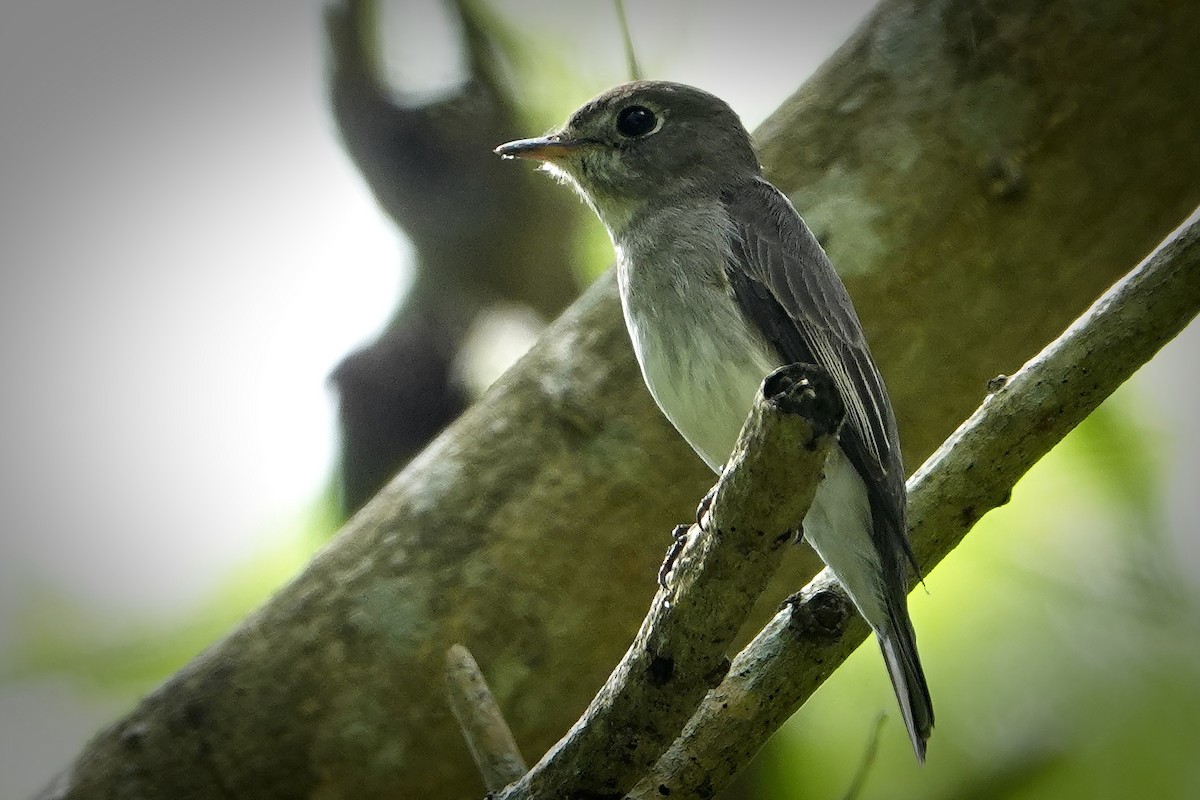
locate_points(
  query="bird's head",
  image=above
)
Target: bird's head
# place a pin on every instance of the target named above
(644, 141)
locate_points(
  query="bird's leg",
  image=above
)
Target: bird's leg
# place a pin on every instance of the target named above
(707, 501)
(679, 536)
(705, 505)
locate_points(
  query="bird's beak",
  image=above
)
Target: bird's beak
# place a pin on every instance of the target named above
(544, 148)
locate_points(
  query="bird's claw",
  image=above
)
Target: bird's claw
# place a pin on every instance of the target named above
(679, 536)
(705, 506)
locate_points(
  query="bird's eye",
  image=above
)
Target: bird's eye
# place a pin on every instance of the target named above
(636, 121)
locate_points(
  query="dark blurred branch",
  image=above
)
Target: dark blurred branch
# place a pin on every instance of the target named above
(970, 474)
(430, 166)
(679, 652)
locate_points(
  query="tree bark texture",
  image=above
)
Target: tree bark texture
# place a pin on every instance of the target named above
(980, 173)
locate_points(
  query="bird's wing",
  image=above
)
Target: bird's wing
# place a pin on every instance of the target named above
(784, 282)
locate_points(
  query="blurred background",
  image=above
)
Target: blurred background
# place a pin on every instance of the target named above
(204, 290)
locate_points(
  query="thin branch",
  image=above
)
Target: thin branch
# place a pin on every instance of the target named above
(868, 760)
(488, 737)
(679, 653)
(972, 473)
(631, 62)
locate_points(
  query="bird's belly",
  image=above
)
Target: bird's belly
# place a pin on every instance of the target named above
(703, 367)
(705, 377)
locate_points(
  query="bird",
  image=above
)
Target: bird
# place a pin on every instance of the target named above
(721, 282)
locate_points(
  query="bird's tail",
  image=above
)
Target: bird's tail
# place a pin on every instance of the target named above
(899, 646)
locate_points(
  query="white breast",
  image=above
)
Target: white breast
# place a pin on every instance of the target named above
(702, 363)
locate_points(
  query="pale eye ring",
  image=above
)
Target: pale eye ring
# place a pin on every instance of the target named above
(635, 121)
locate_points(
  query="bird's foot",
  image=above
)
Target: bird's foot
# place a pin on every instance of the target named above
(706, 505)
(679, 536)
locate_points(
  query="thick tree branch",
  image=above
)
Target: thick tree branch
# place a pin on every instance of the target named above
(531, 529)
(971, 473)
(679, 652)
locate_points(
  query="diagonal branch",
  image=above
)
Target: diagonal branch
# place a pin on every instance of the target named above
(970, 474)
(712, 583)
(488, 736)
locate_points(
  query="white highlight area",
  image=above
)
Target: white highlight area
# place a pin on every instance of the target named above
(187, 255)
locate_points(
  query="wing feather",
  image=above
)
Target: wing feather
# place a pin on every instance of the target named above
(784, 282)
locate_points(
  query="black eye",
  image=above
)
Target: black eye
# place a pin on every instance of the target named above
(636, 121)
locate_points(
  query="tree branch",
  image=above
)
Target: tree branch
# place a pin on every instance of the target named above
(429, 164)
(488, 736)
(971, 473)
(679, 653)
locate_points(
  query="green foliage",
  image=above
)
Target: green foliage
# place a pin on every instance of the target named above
(118, 660)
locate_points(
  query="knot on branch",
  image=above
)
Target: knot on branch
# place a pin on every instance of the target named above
(660, 670)
(806, 390)
(821, 615)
